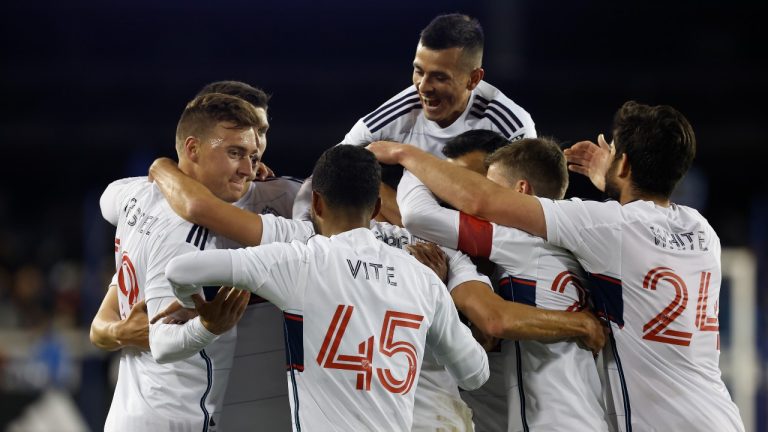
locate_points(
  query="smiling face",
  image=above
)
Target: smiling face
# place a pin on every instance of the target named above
(444, 79)
(226, 160)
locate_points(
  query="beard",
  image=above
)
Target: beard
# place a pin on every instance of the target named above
(611, 186)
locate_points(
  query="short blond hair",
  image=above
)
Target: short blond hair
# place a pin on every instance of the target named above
(204, 112)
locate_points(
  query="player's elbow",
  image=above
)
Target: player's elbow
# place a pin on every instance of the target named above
(477, 379)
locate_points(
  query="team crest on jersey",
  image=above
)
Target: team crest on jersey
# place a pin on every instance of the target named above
(269, 210)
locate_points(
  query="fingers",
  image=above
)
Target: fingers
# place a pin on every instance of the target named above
(578, 169)
(200, 301)
(173, 307)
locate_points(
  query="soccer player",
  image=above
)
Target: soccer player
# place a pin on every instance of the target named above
(654, 267)
(550, 386)
(217, 144)
(272, 195)
(361, 311)
(434, 385)
(448, 97)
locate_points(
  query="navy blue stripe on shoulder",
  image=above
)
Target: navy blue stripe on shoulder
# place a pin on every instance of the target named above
(508, 115)
(385, 116)
(493, 112)
(493, 120)
(388, 105)
(394, 117)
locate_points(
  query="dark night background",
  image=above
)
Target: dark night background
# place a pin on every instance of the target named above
(91, 92)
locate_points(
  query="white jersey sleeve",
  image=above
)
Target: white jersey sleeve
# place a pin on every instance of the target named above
(461, 269)
(452, 343)
(423, 216)
(112, 198)
(277, 229)
(244, 269)
(591, 230)
(359, 134)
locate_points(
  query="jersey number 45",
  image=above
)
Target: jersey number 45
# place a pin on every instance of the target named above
(330, 358)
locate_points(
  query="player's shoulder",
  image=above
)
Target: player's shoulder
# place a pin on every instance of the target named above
(512, 120)
(397, 108)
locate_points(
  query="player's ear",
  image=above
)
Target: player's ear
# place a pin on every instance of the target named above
(475, 77)
(192, 148)
(376, 208)
(624, 168)
(523, 186)
(318, 206)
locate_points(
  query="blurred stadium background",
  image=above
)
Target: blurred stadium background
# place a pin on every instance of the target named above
(91, 91)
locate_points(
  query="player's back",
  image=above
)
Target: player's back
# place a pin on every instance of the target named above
(655, 273)
(547, 382)
(668, 341)
(367, 311)
(148, 395)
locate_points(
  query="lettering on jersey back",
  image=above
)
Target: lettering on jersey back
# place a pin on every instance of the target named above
(693, 240)
(138, 218)
(371, 271)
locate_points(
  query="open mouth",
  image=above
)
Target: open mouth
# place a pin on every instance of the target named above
(430, 103)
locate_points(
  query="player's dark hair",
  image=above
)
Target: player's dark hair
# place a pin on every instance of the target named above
(540, 161)
(347, 177)
(202, 114)
(484, 140)
(254, 95)
(391, 175)
(454, 31)
(659, 143)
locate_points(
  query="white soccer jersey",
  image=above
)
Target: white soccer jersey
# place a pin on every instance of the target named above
(400, 119)
(256, 387)
(360, 315)
(437, 403)
(550, 386)
(655, 274)
(187, 394)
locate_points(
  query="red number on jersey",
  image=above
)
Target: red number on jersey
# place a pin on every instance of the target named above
(561, 282)
(388, 347)
(127, 281)
(332, 341)
(328, 356)
(656, 329)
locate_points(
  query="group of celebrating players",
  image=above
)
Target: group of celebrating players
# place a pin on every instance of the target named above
(432, 253)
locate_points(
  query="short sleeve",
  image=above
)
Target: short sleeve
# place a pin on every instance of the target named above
(113, 196)
(589, 229)
(277, 229)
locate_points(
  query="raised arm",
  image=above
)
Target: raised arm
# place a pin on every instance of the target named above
(195, 203)
(466, 191)
(422, 214)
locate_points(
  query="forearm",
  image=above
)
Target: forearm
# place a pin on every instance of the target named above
(173, 342)
(389, 209)
(508, 320)
(195, 203)
(110, 332)
(103, 333)
(423, 216)
(472, 193)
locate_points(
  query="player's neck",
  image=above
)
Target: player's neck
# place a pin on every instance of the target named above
(337, 223)
(631, 195)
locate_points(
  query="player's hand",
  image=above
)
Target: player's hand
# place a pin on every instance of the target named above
(224, 311)
(175, 313)
(594, 336)
(134, 329)
(387, 152)
(159, 165)
(591, 160)
(431, 256)
(262, 172)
